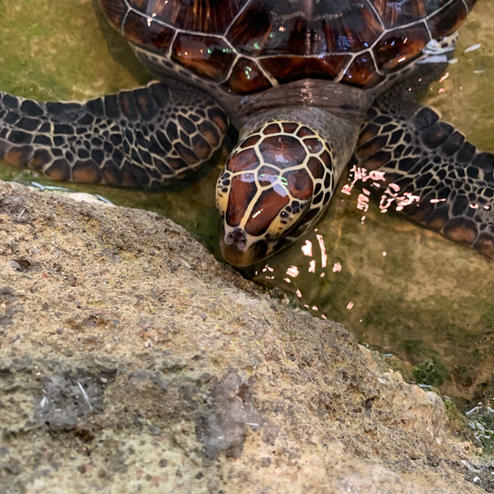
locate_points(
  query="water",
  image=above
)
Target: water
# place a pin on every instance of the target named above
(422, 300)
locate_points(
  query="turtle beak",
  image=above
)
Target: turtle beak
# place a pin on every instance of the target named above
(238, 251)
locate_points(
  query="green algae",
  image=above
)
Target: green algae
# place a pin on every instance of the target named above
(58, 50)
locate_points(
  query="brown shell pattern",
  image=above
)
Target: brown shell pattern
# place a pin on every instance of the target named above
(248, 46)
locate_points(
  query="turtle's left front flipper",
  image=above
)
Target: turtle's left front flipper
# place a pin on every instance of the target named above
(444, 182)
(160, 135)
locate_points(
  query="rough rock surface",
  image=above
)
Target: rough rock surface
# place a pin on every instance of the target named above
(131, 361)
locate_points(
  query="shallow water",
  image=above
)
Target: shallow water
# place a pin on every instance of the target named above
(400, 288)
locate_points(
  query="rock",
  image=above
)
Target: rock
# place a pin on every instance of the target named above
(132, 361)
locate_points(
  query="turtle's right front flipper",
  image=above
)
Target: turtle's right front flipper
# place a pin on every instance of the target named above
(150, 137)
(447, 183)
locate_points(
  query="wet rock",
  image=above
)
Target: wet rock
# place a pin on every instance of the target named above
(192, 380)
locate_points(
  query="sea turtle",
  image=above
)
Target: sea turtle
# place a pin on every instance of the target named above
(307, 84)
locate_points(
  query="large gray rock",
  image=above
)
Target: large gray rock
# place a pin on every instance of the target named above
(132, 361)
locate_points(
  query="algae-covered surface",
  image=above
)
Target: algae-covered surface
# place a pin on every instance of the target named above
(397, 286)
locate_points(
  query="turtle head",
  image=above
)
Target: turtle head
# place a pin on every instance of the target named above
(275, 184)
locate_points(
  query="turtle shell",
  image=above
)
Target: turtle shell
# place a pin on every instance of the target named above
(247, 46)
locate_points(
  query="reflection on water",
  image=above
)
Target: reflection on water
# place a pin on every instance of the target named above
(399, 287)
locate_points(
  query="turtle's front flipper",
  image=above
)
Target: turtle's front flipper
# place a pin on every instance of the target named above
(443, 181)
(150, 137)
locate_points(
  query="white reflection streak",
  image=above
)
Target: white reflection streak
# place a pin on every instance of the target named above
(363, 202)
(391, 196)
(363, 175)
(292, 271)
(307, 248)
(474, 47)
(312, 266)
(267, 267)
(324, 255)
(406, 200)
(346, 189)
(377, 175)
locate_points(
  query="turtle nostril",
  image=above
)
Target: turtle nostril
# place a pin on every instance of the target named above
(237, 237)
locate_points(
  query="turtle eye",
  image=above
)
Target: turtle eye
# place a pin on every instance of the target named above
(292, 214)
